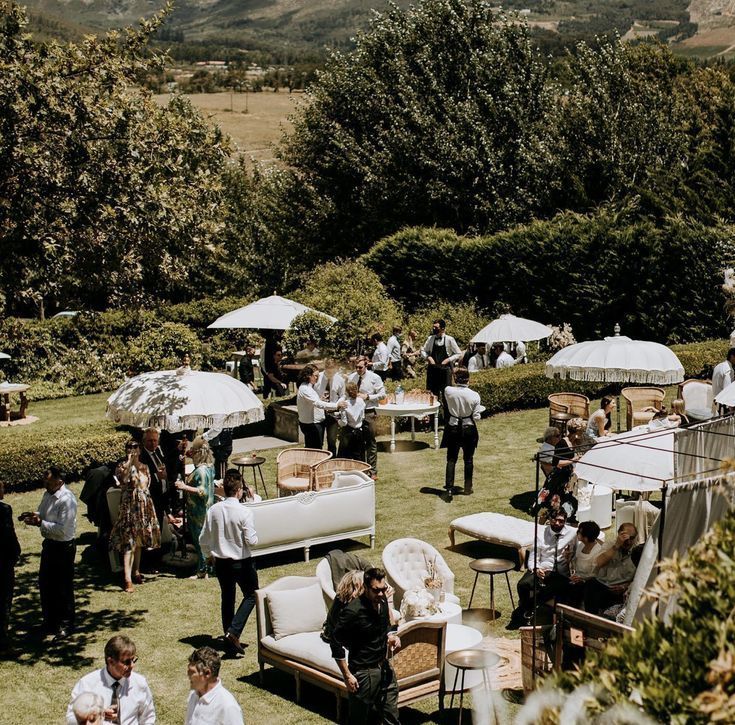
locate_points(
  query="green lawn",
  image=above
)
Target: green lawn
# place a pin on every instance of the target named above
(168, 616)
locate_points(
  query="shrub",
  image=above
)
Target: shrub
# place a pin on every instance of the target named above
(463, 320)
(310, 326)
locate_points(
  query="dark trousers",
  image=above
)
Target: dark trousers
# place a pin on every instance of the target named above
(371, 445)
(231, 574)
(598, 596)
(552, 585)
(332, 429)
(376, 699)
(465, 438)
(313, 434)
(396, 371)
(7, 587)
(352, 443)
(56, 584)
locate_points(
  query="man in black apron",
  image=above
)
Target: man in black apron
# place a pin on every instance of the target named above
(462, 409)
(441, 352)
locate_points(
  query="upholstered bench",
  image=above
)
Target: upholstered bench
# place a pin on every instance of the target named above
(495, 528)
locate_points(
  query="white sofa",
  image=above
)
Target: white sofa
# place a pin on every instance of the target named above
(342, 512)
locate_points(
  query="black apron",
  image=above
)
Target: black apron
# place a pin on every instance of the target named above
(438, 376)
(459, 432)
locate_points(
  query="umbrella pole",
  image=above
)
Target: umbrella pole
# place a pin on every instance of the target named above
(662, 522)
(535, 578)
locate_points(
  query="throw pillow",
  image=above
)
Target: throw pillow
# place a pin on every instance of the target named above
(297, 610)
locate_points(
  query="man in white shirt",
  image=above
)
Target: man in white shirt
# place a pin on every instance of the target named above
(311, 408)
(227, 535)
(480, 360)
(371, 390)
(503, 359)
(722, 376)
(209, 702)
(440, 352)
(351, 419)
(309, 353)
(462, 407)
(126, 695)
(395, 359)
(551, 560)
(57, 519)
(330, 386)
(380, 362)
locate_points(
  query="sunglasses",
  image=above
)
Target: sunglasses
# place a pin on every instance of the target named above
(379, 590)
(131, 446)
(129, 662)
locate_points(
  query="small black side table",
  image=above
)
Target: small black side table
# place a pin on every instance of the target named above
(251, 462)
(492, 567)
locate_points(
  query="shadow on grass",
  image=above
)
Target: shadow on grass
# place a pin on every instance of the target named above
(403, 446)
(91, 573)
(475, 549)
(523, 501)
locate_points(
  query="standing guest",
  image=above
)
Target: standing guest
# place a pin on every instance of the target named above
(380, 362)
(552, 568)
(518, 352)
(273, 376)
(88, 709)
(722, 376)
(365, 630)
(480, 360)
(350, 586)
(9, 555)
(57, 519)
(308, 401)
(549, 441)
(394, 354)
(209, 702)
(200, 490)
(371, 389)
(245, 368)
(352, 418)
(600, 421)
(126, 696)
(502, 358)
(330, 387)
(136, 527)
(153, 458)
(462, 407)
(440, 351)
(409, 354)
(309, 353)
(227, 535)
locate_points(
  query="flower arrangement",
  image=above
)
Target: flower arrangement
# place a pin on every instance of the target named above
(418, 603)
(432, 580)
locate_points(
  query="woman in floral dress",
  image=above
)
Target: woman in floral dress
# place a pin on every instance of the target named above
(136, 526)
(200, 488)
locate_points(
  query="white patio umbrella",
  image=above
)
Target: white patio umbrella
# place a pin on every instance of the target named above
(509, 328)
(268, 313)
(617, 359)
(632, 461)
(184, 399)
(726, 396)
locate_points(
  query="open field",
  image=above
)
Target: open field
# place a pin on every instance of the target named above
(255, 121)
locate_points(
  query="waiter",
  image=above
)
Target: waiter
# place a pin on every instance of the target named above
(462, 409)
(441, 352)
(57, 519)
(371, 390)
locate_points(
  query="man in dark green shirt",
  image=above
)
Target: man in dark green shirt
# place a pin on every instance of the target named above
(364, 628)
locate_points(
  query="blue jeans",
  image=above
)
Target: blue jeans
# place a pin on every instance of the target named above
(231, 572)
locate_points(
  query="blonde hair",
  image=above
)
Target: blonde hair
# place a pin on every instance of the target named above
(677, 406)
(352, 390)
(350, 586)
(200, 452)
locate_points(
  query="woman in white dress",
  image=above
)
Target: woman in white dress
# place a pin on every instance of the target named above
(582, 564)
(600, 421)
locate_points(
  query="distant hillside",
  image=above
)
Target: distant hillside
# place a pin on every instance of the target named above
(699, 27)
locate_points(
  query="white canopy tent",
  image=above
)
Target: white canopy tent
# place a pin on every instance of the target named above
(509, 328)
(184, 399)
(268, 313)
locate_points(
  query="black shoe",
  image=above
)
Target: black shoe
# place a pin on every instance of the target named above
(235, 643)
(468, 491)
(450, 494)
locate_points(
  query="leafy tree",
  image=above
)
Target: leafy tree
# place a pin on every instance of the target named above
(105, 197)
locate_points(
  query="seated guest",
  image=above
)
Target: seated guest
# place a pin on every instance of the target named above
(661, 420)
(549, 440)
(551, 563)
(480, 360)
(273, 378)
(309, 353)
(246, 370)
(351, 420)
(380, 361)
(88, 709)
(615, 570)
(600, 421)
(502, 358)
(583, 557)
(678, 415)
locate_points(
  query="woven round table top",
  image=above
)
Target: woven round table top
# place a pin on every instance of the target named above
(492, 566)
(472, 659)
(247, 461)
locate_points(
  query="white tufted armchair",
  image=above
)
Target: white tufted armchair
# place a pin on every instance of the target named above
(405, 563)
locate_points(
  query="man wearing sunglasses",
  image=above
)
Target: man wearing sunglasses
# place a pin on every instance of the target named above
(365, 630)
(126, 695)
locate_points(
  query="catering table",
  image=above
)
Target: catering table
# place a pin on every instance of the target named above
(5, 390)
(413, 411)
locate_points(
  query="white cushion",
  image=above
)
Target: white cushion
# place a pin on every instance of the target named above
(497, 528)
(342, 479)
(306, 647)
(297, 610)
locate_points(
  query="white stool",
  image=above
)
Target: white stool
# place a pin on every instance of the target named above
(600, 509)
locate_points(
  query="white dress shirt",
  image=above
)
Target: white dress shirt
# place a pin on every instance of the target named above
(228, 531)
(135, 697)
(584, 564)
(452, 349)
(323, 385)
(550, 548)
(308, 401)
(354, 414)
(380, 356)
(504, 360)
(58, 512)
(722, 376)
(463, 403)
(372, 385)
(478, 362)
(216, 707)
(394, 349)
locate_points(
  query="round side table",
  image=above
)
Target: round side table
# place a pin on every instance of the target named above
(251, 462)
(492, 567)
(473, 660)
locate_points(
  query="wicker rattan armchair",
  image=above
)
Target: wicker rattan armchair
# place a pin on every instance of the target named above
(324, 471)
(565, 406)
(295, 468)
(637, 400)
